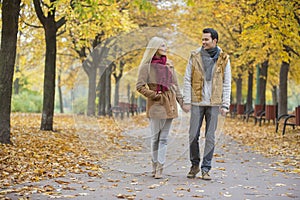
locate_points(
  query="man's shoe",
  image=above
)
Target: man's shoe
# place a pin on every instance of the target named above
(206, 176)
(193, 172)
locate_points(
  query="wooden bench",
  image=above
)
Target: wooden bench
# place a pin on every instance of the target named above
(124, 108)
(289, 120)
(121, 109)
(256, 113)
(232, 110)
(269, 114)
(133, 109)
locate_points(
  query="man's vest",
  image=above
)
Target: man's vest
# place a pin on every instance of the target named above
(217, 79)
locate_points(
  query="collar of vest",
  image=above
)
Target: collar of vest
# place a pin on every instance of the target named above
(197, 52)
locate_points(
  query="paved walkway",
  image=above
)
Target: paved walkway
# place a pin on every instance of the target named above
(237, 173)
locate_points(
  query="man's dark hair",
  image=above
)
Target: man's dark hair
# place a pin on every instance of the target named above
(213, 33)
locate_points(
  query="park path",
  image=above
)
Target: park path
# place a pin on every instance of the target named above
(238, 173)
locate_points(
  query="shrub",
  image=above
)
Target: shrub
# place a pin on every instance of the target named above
(27, 101)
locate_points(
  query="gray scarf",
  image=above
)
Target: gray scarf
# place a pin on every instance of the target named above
(209, 58)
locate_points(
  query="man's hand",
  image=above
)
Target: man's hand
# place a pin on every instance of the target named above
(224, 111)
(186, 107)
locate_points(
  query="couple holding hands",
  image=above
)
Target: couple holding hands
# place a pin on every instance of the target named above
(206, 94)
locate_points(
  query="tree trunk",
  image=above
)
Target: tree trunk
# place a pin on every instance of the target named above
(92, 91)
(250, 91)
(258, 92)
(128, 93)
(117, 88)
(49, 75)
(274, 95)
(282, 100)
(17, 80)
(91, 67)
(239, 82)
(263, 82)
(61, 104)
(117, 80)
(108, 90)
(10, 16)
(101, 94)
(50, 27)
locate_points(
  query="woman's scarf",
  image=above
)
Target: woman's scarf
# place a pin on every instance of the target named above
(163, 74)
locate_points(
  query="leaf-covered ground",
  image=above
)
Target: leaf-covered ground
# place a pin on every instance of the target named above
(37, 155)
(263, 139)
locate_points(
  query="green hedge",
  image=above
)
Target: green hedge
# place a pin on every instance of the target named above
(27, 101)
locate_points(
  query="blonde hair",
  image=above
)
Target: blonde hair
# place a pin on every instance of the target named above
(153, 45)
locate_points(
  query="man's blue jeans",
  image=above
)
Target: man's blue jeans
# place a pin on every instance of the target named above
(210, 113)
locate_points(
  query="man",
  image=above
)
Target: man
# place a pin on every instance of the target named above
(207, 88)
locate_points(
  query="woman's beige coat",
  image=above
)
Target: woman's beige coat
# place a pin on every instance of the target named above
(159, 105)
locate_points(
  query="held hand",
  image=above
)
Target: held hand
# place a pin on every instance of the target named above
(186, 107)
(224, 111)
(157, 96)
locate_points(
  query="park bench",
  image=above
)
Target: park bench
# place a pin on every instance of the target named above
(240, 110)
(121, 109)
(289, 120)
(269, 114)
(124, 108)
(256, 113)
(232, 110)
(133, 109)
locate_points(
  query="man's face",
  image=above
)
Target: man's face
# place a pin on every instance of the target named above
(208, 42)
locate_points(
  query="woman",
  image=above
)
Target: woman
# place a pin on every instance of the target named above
(157, 81)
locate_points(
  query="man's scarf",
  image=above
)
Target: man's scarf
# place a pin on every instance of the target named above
(209, 58)
(163, 74)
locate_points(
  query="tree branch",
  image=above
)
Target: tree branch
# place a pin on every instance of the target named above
(60, 22)
(31, 25)
(39, 11)
(290, 49)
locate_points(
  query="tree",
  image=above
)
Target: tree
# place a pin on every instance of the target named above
(117, 80)
(250, 91)
(51, 27)
(102, 21)
(10, 17)
(276, 25)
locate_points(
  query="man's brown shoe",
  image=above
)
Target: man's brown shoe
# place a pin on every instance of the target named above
(193, 172)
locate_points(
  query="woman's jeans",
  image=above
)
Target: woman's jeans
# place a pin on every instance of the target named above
(211, 118)
(159, 137)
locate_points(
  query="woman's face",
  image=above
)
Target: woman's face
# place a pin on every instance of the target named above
(162, 51)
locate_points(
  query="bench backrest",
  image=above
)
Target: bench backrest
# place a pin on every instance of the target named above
(270, 112)
(258, 109)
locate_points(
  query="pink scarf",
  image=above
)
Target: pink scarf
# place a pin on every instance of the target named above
(163, 74)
